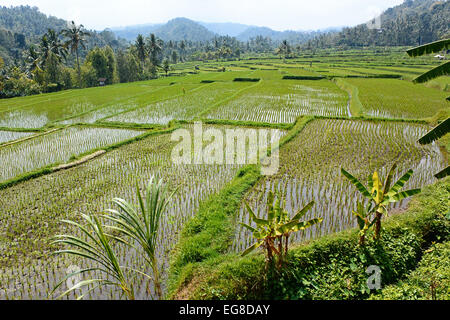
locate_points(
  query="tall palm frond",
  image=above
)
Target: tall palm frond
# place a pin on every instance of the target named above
(142, 224)
(437, 132)
(432, 47)
(76, 38)
(442, 70)
(96, 247)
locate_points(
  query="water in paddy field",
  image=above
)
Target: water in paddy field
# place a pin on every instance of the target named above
(303, 179)
(89, 189)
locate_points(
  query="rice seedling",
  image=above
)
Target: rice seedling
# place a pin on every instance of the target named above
(310, 171)
(7, 136)
(389, 98)
(58, 146)
(193, 103)
(31, 211)
(283, 101)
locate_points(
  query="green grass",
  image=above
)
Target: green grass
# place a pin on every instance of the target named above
(398, 99)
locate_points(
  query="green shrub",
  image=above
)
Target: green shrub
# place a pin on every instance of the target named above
(303, 77)
(429, 281)
(247, 79)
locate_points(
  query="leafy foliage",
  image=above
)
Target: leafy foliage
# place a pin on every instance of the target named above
(380, 195)
(272, 233)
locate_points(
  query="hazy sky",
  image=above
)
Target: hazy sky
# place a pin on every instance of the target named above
(276, 14)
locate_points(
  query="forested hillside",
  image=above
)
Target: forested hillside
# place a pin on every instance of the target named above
(22, 26)
(414, 22)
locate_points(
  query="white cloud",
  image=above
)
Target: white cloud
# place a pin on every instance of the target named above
(276, 14)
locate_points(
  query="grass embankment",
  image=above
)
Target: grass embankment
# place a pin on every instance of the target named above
(332, 267)
(205, 238)
(356, 107)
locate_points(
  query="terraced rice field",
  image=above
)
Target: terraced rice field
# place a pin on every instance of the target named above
(30, 212)
(182, 107)
(58, 146)
(310, 170)
(36, 207)
(283, 101)
(7, 136)
(390, 98)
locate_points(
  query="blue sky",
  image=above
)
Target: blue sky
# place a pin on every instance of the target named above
(276, 14)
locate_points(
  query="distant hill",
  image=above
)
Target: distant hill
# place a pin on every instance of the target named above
(183, 29)
(186, 29)
(291, 36)
(414, 22)
(176, 29)
(225, 28)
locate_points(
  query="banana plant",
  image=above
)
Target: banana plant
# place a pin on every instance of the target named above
(272, 233)
(363, 215)
(381, 194)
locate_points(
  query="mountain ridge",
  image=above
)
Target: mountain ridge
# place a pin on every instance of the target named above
(241, 31)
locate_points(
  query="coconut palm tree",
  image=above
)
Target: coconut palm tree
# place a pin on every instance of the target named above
(33, 60)
(154, 48)
(77, 38)
(56, 46)
(141, 50)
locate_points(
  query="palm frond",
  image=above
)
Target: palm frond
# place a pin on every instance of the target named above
(437, 132)
(442, 70)
(432, 47)
(443, 173)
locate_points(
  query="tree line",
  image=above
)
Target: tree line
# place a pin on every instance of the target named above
(62, 60)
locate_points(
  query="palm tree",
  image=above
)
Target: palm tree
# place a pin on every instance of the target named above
(77, 37)
(141, 50)
(33, 60)
(56, 46)
(45, 49)
(133, 226)
(166, 66)
(142, 225)
(439, 131)
(284, 48)
(154, 48)
(96, 246)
